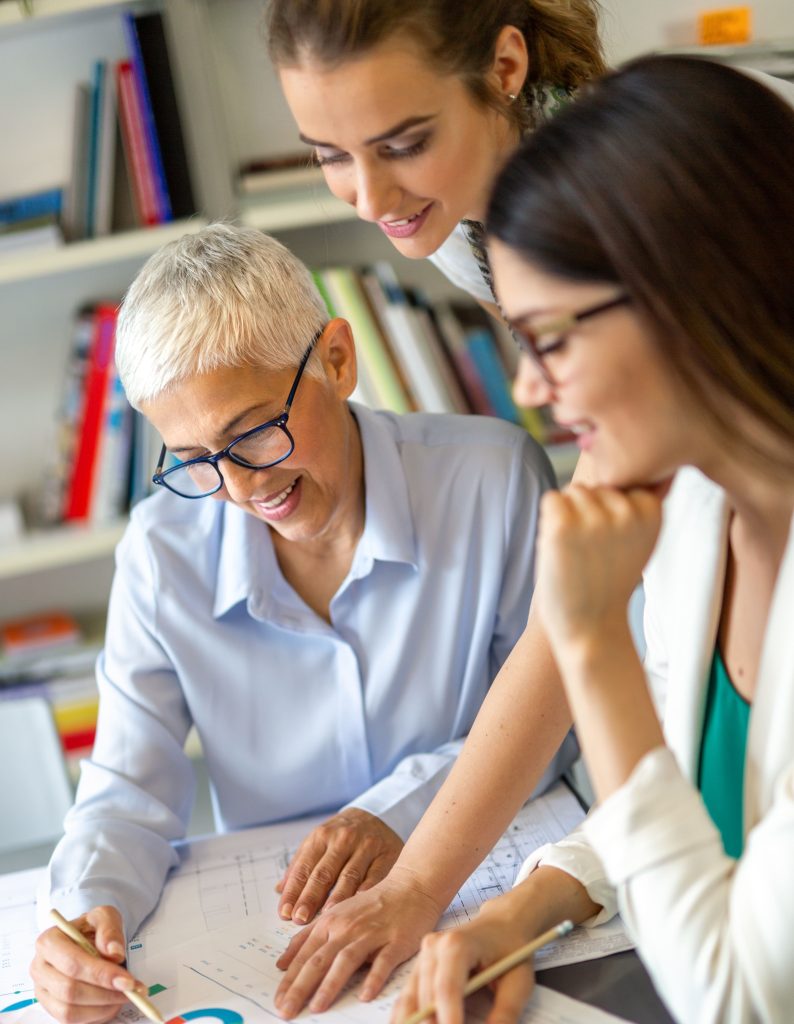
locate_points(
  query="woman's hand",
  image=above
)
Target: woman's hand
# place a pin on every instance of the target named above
(593, 544)
(382, 926)
(74, 986)
(347, 854)
(448, 959)
(503, 925)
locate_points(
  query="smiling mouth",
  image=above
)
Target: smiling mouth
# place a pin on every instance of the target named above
(404, 220)
(279, 499)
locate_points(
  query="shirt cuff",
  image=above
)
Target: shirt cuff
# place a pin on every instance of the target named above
(576, 858)
(640, 825)
(72, 903)
(402, 798)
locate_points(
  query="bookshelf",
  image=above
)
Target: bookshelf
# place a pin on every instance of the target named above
(232, 112)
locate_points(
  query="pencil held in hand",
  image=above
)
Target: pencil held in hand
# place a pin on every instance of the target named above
(496, 970)
(77, 937)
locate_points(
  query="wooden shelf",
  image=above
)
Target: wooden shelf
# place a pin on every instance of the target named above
(94, 252)
(52, 549)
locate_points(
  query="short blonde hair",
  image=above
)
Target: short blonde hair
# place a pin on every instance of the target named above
(226, 296)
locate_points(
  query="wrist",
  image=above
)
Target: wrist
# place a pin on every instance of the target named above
(407, 884)
(587, 650)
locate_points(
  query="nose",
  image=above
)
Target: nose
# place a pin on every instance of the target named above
(239, 484)
(376, 194)
(530, 388)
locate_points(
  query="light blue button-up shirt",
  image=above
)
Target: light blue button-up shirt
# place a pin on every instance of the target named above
(297, 716)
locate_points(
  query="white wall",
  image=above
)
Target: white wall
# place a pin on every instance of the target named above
(635, 26)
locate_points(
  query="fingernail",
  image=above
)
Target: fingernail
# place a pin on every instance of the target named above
(286, 911)
(301, 915)
(287, 1009)
(122, 984)
(115, 949)
(318, 1006)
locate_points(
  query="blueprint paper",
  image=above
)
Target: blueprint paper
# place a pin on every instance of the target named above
(209, 949)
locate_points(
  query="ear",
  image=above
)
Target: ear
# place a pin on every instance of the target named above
(337, 351)
(511, 61)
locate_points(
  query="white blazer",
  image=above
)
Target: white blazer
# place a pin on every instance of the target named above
(716, 935)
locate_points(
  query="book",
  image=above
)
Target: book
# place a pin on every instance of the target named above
(84, 467)
(43, 233)
(36, 633)
(150, 31)
(19, 209)
(111, 487)
(94, 120)
(365, 391)
(258, 182)
(104, 169)
(133, 139)
(144, 102)
(457, 348)
(74, 212)
(436, 350)
(345, 290)
(409, 344)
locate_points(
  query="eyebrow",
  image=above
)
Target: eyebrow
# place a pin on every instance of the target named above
(397, 129)
(230, 426)
(533, 314)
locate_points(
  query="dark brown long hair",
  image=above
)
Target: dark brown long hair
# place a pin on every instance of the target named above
(457, 36)
(673, 179)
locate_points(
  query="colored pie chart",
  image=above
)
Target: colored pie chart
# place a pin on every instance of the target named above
(217, 1013)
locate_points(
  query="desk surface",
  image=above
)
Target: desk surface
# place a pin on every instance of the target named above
(618, 983)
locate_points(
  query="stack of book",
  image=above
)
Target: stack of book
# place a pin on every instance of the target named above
(31, 221)
(90, 482)
(47, 655)
(412, 354)
(145, 180)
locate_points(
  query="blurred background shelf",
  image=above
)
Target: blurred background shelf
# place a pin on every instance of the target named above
(57, 548)
(94, 253)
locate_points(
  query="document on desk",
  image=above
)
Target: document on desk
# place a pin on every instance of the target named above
(215, 936)
(233, 971)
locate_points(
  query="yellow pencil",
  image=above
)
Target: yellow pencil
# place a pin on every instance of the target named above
(77, 936)
(507, 963)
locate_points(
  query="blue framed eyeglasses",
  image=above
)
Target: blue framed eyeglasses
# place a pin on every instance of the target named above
(258, 448)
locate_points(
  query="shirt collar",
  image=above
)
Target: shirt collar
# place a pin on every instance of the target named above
(247, 566)
(389, 533)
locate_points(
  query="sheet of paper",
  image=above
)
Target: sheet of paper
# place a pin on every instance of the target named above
(17, 937)
(232, 972)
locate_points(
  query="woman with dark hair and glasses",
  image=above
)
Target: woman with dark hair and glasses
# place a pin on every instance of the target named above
(325, 592)
(642, 248)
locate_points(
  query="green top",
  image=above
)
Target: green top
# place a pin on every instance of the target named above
(722, 750)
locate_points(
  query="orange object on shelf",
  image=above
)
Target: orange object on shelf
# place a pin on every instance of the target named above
(38, 633)
(725, 26)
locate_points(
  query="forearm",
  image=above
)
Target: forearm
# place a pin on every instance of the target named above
(519, 728)
(616, 721)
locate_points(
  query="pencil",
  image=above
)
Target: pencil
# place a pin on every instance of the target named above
(77, 936)
(507, 963)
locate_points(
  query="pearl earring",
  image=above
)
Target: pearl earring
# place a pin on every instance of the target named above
(512, 97)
